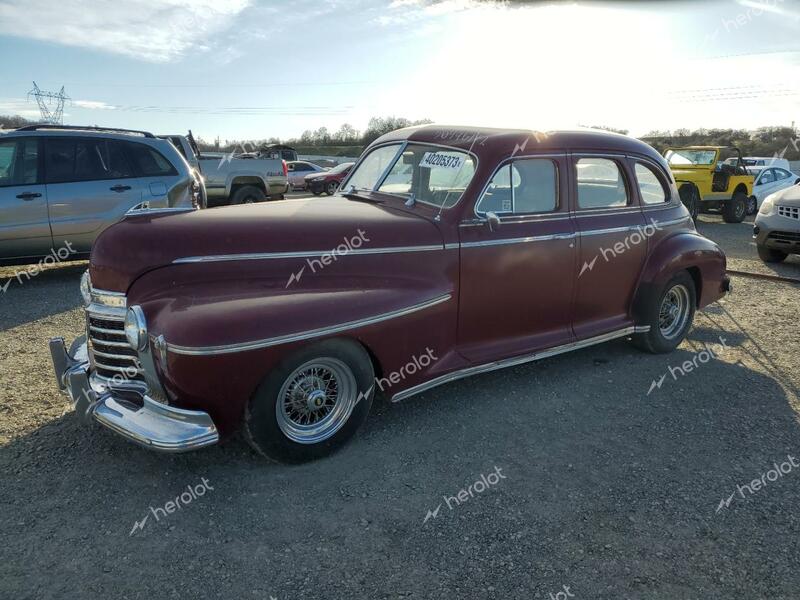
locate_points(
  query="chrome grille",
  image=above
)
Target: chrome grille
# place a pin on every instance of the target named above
(793, 212)
(112, 356)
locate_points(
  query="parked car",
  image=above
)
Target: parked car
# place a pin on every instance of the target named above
(298, 169)
(329, 181)
(760, 161)
(61, 186)
(235, 178)
(777, 227)
(706, 182)
(767, 181)
(285, 319)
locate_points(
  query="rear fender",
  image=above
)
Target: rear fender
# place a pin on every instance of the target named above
(683, 251)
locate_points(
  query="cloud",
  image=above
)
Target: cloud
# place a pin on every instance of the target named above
(150, 30)
(93, 105)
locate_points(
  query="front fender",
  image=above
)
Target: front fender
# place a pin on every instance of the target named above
(226, 325)
(682, 251)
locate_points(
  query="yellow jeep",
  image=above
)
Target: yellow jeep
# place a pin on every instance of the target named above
(706, 182)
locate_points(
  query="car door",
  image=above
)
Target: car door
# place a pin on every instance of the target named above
(90, 185)
(24, 223)
(764, 184)
(783, 179)
(612, 247)
(518, 262)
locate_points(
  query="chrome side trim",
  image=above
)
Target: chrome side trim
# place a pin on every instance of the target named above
(518, 360)
(309, 254)
(604, 231)
(305, 335)
(522, 240)
(673, 221)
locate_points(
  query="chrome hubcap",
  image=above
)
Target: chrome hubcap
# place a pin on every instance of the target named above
(316, 400)
(674, 312)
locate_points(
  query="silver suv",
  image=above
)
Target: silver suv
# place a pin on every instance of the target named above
(61, 186)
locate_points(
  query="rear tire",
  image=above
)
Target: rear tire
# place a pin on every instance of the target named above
(248, 194)
(312, 403)
(669, 316)
(735, 209)
(752, 205)
(771, 256)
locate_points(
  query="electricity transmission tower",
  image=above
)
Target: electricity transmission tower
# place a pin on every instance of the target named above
(51, 104)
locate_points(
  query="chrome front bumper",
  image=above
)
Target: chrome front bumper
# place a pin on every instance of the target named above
(154, 425)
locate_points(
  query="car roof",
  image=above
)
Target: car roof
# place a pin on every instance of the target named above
(496, 142)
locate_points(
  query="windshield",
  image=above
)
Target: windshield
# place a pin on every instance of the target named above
(691, 157)
(431, 174)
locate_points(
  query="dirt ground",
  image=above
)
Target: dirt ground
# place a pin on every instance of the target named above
(607, 483)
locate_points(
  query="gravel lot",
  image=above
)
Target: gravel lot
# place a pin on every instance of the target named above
(610, 486)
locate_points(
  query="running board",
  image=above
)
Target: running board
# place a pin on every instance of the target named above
(517, 360)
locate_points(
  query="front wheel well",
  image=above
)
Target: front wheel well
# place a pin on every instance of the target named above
(740, 188)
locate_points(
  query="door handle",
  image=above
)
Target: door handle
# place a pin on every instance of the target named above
(29, 195)
(120, 188)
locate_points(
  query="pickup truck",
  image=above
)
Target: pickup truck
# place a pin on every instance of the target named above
(232, 178)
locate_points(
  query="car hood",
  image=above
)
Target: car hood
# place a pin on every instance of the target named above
(789, 196)
(316, 174)
(143, 242)
(690, 174)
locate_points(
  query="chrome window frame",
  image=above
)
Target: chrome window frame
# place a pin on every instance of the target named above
(665, 189)
(403, 145)
(617, 159)
(509, 162)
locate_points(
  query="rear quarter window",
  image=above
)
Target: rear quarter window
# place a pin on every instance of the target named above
(148, 161)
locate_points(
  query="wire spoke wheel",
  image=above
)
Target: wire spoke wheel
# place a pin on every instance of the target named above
(674, 311)
(316, 400)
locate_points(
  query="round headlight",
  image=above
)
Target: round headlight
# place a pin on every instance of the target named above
(86, 288)
(136, 328)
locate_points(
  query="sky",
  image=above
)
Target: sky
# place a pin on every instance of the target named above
(255, 69)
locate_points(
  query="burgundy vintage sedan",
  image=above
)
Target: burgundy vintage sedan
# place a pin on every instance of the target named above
(447, 252)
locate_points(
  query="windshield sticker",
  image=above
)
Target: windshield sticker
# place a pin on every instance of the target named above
(441, 160)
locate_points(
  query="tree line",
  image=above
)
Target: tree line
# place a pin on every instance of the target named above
(348, 141)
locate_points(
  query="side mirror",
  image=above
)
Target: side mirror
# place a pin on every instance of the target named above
(493, 220)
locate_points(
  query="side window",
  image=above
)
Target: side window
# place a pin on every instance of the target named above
(526, 186)
(651, 188)
(100, 159)
(768, 176)
(60, 158)
(600, 183)
(781, 174)
(149, 162)
(19, 162)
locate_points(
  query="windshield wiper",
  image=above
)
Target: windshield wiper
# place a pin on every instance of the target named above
(355, 193)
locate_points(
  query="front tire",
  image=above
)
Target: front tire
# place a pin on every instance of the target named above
(331, 188)
(312, 403)
(752, 205)
(769, 255)
(735, 209)
(670, 316)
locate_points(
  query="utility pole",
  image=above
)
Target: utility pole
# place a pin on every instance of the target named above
(45, 100)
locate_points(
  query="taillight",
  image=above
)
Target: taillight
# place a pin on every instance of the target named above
(285, 168)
